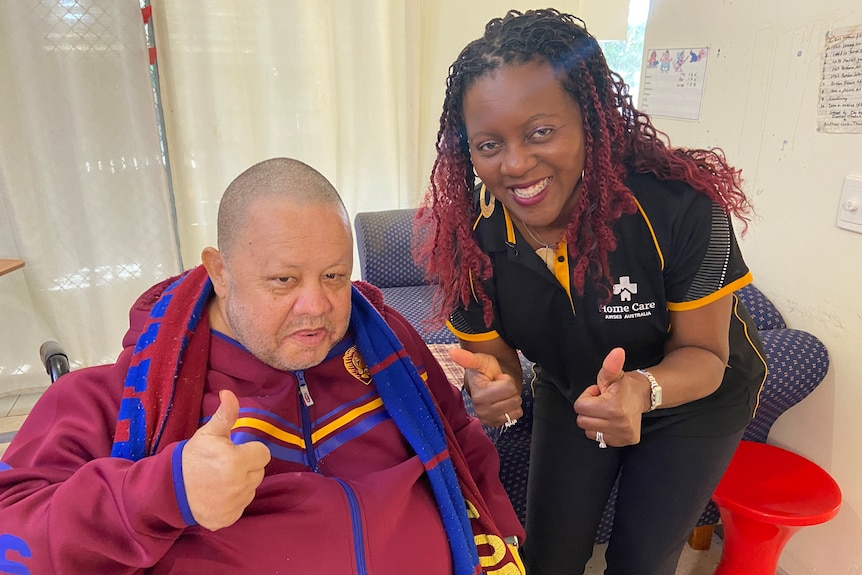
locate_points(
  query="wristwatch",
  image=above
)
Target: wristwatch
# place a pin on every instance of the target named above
(654, 389)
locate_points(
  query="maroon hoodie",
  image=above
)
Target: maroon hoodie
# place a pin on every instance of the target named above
(357, 502)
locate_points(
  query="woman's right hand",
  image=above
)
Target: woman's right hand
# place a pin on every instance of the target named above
(494, 392)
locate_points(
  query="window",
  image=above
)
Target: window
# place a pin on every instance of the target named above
(626, 57)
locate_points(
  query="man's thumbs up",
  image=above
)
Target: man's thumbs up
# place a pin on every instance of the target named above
(221, 478)
(225, 416)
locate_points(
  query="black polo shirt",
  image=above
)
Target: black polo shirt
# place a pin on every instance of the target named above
(677, 252)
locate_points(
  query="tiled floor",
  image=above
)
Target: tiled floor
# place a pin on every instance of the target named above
(691, 563)
(13, 410)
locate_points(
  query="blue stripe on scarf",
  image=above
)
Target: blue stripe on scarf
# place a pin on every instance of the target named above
(136, 410)
(409, 402)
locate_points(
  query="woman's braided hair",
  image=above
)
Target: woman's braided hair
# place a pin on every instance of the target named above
(618, 140)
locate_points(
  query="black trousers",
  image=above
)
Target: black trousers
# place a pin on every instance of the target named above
(665, 482)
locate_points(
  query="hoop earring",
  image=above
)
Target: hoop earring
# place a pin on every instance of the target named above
(486, 207)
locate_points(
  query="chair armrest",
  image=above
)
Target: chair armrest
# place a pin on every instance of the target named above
(797, 362)
(761, 309)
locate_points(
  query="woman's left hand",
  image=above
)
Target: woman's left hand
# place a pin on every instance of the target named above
(613, 406)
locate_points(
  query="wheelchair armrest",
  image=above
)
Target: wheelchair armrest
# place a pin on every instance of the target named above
(54, 359)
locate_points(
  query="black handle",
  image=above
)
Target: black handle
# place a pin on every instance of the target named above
(54, 359)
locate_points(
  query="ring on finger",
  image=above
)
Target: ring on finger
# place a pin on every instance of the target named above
(601, 439)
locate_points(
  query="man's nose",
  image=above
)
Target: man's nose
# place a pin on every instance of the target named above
(312, 299)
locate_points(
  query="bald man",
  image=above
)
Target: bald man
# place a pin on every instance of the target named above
(267, 415)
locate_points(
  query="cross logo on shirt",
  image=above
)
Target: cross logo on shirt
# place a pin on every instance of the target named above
(625, 288)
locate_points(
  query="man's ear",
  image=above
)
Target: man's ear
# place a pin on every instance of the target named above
(214, 263)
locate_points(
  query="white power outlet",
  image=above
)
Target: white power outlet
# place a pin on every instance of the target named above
(850, 205)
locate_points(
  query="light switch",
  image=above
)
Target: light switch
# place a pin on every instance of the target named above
(850, 205)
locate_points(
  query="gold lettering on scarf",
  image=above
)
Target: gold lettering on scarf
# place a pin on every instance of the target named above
(497, 555)
(472, 512)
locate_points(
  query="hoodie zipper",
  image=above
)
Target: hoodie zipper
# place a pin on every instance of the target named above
(306, 401)
(356, 523)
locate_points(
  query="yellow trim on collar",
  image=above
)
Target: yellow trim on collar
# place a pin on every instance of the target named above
(510, 228)
(561, 267)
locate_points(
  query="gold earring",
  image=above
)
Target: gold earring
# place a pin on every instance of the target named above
(486, 207)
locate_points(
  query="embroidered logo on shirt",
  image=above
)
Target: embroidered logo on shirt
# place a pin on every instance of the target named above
(625, 289)
(355, 365)
(627, 309)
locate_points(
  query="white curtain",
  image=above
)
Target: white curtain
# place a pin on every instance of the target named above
(352, 87)
(84, 198)
(333, 83)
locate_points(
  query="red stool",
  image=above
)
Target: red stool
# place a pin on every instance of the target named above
(766, 495)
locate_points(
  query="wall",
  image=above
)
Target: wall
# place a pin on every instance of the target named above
(759, 104)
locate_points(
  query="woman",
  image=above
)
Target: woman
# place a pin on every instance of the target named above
(608, 258)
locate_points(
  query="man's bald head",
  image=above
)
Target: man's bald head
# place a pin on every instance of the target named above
(279, 178)
(281, 275)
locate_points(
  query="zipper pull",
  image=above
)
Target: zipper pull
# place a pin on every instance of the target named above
(303, 388)
(306, 396)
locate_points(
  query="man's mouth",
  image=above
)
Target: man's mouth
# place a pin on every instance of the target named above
(310, 336)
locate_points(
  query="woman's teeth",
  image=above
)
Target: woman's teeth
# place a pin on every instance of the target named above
(527, 193)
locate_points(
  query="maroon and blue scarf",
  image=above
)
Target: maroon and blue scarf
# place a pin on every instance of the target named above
(166, 377)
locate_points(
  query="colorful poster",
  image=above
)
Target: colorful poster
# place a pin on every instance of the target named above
(673, 82)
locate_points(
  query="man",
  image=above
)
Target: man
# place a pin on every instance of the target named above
(265, 416)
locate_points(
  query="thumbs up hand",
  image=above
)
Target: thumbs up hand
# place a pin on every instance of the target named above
(494, 392)
(220, 477)
(614, 404)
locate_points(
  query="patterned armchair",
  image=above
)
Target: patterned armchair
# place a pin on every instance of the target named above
(383, 241)
(797, 361)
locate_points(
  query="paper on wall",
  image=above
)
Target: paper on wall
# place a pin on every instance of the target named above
(673, 82)
(840, 108)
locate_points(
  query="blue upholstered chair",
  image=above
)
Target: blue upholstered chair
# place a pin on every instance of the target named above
(797, 361)
(385, 260)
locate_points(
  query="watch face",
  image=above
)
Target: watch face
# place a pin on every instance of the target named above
(655, 396)
(654, 389)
